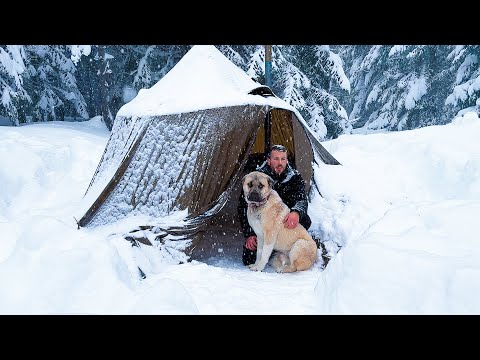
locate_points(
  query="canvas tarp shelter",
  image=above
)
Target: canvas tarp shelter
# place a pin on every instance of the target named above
(184, 144)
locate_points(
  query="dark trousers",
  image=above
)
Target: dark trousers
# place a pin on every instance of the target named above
(248, 256)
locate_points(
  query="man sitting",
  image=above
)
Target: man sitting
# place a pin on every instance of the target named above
(289, 184)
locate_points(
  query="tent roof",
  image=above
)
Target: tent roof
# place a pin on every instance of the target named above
(186, 128)
(203, 79)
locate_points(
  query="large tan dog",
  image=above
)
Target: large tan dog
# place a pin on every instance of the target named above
(296, 250)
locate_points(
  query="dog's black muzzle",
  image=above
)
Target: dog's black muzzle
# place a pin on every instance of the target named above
(255, 196)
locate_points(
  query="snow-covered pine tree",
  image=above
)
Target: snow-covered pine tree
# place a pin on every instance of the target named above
(392, 87)
(409, 86)
(14, 98)
(303, 75)
(324, 69)
(51, 83)
(134, 67)
(352, 57)
(465, 60)
(88, 80)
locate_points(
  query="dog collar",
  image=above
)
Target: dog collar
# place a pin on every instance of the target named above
(257, 204)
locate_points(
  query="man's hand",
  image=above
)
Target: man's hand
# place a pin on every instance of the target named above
(291, 220)
(251, 243)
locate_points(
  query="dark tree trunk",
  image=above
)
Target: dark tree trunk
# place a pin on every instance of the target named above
(106, 114)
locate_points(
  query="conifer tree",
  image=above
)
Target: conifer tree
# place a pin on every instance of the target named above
(13, 96)
(302, 76)
(465, 60)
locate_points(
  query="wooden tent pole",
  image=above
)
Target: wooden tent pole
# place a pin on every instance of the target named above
(268, 82)
(268, 65)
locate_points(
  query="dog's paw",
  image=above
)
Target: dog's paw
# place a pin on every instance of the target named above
(255, 267)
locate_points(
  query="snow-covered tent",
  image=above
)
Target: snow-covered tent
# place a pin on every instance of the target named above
(185, 143)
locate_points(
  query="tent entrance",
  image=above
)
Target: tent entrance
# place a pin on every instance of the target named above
(221, 235)
(281, 132)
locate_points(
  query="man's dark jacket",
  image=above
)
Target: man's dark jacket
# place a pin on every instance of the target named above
(291, 188)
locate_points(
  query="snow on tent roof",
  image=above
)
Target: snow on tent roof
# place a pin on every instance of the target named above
(183, 143)
(203, 79)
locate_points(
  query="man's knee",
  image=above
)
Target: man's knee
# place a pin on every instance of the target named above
(306, 222)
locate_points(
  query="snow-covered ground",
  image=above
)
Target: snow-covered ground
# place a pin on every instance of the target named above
(401, 211)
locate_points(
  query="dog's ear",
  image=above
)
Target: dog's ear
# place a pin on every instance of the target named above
(243, 179)
(270, 182)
